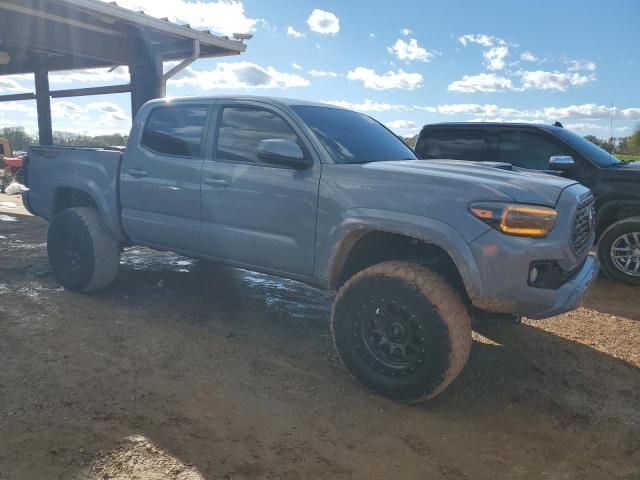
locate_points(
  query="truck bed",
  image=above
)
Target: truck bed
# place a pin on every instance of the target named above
(53, 172)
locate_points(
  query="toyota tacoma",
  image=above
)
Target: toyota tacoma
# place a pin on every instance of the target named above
(414, 249)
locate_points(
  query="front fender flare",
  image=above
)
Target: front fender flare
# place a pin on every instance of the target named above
(358, 222)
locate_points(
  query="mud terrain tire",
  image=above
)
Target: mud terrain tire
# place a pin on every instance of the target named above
(83, 255)
(402, 330)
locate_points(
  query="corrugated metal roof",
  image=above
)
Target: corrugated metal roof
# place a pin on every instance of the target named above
(161, 25)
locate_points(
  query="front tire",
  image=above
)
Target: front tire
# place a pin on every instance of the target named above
(619, 251)
(83, 255)
(401, 330)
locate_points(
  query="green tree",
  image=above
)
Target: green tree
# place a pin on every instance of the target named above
(18, 137)
(634, 142)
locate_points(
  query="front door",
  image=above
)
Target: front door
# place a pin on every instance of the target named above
(255, 214)
(160, 180)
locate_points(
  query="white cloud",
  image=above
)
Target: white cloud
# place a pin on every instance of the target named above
(402, 126)
(585, 126)
(372, 35)
(292, 32)
(592, 111)
(369, 106)
(587, 113)
(10, 85)
(20, 108)
(295, 66)
(239, 75)
(97, 75)
(409, 51)
(527, 56)
(481, 39)
(561, 81)
(222, 16)
(406, 32)
(495, 57)
(578, 65)
(389, 80)
(321, 73)
(323, 22)
(482, 82)
(95, 117)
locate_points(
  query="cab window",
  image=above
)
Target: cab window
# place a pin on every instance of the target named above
(243, 128)
(457, 144)
(527, 149)
(176, 130)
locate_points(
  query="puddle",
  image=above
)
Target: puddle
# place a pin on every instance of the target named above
(295, 298)
(143, 260)
(34, 291)
(8, 218)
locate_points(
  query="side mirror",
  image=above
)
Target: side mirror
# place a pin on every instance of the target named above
(562, 163)
(283, 152)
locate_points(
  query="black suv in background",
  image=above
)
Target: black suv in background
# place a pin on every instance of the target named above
(556, 150)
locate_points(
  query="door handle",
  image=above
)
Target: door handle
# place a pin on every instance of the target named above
(216, 182)
(137, 172)
(168, 188)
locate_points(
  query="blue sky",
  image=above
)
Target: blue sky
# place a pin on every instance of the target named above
(406, 63)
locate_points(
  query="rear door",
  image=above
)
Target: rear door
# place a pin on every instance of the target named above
(256, 214)
(160, 179)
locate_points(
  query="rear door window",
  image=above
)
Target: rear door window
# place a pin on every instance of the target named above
(528, 149)
(176, 130)
(456, 143)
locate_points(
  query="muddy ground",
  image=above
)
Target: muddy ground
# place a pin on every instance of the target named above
(183, 370)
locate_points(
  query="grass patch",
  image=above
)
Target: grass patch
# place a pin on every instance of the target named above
(633, 158)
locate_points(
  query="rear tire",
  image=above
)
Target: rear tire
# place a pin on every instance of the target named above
(619, 244)
(83, 255)
(402, 330)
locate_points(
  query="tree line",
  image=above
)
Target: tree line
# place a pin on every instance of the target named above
(21, 140)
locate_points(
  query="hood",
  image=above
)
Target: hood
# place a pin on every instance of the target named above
(523, 186)
(629, 171)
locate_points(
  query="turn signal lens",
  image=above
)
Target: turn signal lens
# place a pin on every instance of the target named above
(517, 219)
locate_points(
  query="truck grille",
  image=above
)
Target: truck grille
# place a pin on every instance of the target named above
(583, 228)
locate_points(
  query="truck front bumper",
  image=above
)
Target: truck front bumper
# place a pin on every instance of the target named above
(503, 269)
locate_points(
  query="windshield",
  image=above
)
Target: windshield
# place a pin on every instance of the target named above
(352, 137)
(600, 157)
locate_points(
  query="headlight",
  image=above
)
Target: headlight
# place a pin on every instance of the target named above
(516, 218)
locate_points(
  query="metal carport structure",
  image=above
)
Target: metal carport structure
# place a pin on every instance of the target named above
(42, 36)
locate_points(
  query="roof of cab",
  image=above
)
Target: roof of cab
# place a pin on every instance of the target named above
(280, 101)
(543, 126)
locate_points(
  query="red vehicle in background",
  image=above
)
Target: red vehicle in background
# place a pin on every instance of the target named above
(12, 163)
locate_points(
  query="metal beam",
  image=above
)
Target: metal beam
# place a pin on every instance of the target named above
(17, 97)
(83, 92)
(43, 104)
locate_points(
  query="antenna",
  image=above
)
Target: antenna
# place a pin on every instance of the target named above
(613, 144)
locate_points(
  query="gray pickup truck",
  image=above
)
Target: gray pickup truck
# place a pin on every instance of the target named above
(415, 249)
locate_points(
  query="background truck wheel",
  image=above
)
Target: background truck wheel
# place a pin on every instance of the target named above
(82, 253)
(402, 330)
(619, 251)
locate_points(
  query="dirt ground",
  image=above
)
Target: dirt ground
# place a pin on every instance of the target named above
(183, 370)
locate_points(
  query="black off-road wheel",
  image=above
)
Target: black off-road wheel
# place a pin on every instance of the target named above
(619, 251)
(402, 330)
(83, 255)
